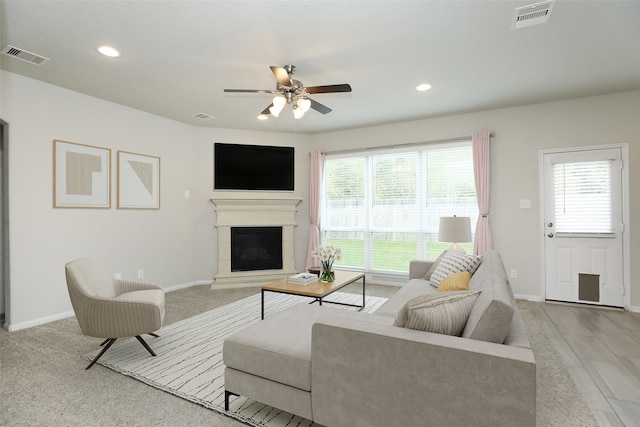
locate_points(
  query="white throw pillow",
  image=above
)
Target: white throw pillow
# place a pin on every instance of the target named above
(441, 312)
(454, 262)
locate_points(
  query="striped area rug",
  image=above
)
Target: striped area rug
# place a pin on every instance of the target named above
(189, 356)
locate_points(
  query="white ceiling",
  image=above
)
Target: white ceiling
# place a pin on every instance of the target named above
(178, 56)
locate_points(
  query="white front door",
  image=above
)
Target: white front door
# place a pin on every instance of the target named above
(583, 226)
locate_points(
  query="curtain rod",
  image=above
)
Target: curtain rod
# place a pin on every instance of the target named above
(406, 144)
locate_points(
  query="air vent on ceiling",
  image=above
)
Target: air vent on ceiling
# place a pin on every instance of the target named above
(533, 14)
(203, 116)
(24, 55)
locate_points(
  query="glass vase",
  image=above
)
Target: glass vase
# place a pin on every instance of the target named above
(327, 275)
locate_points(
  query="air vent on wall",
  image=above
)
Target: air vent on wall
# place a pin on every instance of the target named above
(24, 55)
(533, 14)
(203, 116)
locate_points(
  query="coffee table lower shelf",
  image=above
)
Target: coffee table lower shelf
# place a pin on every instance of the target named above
(317, 291)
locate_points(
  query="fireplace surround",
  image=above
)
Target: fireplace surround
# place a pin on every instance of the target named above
(254, 213)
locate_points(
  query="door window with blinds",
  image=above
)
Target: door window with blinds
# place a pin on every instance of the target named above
(383, 208)
(582, 193)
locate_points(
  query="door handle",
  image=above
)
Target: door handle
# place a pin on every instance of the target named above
(549, 234)
(549, 224)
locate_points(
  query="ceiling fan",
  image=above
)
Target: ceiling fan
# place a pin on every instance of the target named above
(293, 92)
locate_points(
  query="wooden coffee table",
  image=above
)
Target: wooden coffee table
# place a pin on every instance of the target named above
(318, 290)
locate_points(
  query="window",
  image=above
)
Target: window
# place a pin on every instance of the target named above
(583, 197)
(383, 209)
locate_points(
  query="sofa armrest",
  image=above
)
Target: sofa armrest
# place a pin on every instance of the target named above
(418, 268)
(366, 374)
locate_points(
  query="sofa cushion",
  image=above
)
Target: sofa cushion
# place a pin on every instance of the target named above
(491, 316)
(441, 313)
(453, 262)
(278, 348)
(455, 282)
(413, 288)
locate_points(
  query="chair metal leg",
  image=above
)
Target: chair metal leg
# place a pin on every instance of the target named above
(154, 335)
(143, 342)
(109, 343)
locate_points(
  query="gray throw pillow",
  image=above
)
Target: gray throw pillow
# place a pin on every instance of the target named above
(441, 312)
(454, 262)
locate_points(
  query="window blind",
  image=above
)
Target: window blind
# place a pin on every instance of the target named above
(582, 197)
(384, 209)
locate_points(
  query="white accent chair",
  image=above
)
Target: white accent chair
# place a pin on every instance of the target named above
(113, 308)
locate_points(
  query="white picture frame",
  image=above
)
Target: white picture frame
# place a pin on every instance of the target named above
(138, 181)
(81, 175)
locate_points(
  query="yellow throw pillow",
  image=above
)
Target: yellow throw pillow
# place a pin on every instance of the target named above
(455, 282)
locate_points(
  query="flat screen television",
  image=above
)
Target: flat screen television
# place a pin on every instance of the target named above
(253, 167)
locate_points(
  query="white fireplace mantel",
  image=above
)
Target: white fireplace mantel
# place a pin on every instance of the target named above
(254, 213)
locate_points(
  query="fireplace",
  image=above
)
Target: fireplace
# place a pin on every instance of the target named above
(256, 248)
(241, 215)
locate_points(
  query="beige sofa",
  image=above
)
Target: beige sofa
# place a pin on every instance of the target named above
(344, 368)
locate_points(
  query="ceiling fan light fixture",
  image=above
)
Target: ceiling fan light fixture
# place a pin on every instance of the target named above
(279, 101)
(275, 110)
(304, 104)
(298, 113)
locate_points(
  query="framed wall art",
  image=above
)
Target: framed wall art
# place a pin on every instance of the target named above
(81, 175)
(138, 181)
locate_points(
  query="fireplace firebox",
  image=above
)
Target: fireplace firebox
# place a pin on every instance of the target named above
(256, 248)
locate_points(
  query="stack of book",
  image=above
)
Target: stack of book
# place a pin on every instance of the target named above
(303, 279)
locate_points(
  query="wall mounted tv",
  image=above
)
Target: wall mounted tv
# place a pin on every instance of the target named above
(253, 167)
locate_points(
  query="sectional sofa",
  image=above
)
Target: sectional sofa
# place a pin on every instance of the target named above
(344, 368)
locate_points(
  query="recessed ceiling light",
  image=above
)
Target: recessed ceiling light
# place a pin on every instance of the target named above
(263, 117)
(422, 87)
(108, 51)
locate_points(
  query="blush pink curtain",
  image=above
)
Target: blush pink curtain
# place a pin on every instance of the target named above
(481, 170)
(315, 181)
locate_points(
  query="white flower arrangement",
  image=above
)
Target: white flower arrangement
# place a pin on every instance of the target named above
(327, 255)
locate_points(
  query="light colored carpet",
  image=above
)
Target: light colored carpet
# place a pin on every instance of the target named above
(189, 356)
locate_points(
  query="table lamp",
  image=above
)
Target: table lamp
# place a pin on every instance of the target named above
(455, 229)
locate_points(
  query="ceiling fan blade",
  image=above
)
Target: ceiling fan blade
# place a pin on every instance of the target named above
(321, 108)
(249, 91)
(281, 75)
(329, 88)
(266, 110)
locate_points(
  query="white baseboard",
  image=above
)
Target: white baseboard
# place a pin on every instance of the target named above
(37, 322)
(535, 298)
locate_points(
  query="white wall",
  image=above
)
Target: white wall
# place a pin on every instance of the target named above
(176, 245)
(43, 239)
(520, 134)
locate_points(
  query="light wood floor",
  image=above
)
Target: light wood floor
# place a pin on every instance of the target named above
(601, 349)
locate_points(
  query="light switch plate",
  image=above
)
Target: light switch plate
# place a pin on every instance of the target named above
(525, 203)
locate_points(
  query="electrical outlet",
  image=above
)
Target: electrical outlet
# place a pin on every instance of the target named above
(140, 274)
(525, 203)
(118, 276)
(514, 273)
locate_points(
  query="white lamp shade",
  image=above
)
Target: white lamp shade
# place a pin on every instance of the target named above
(279, 101)
(298, 113)
(455, 229)
(304, 104)
(275, 110)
